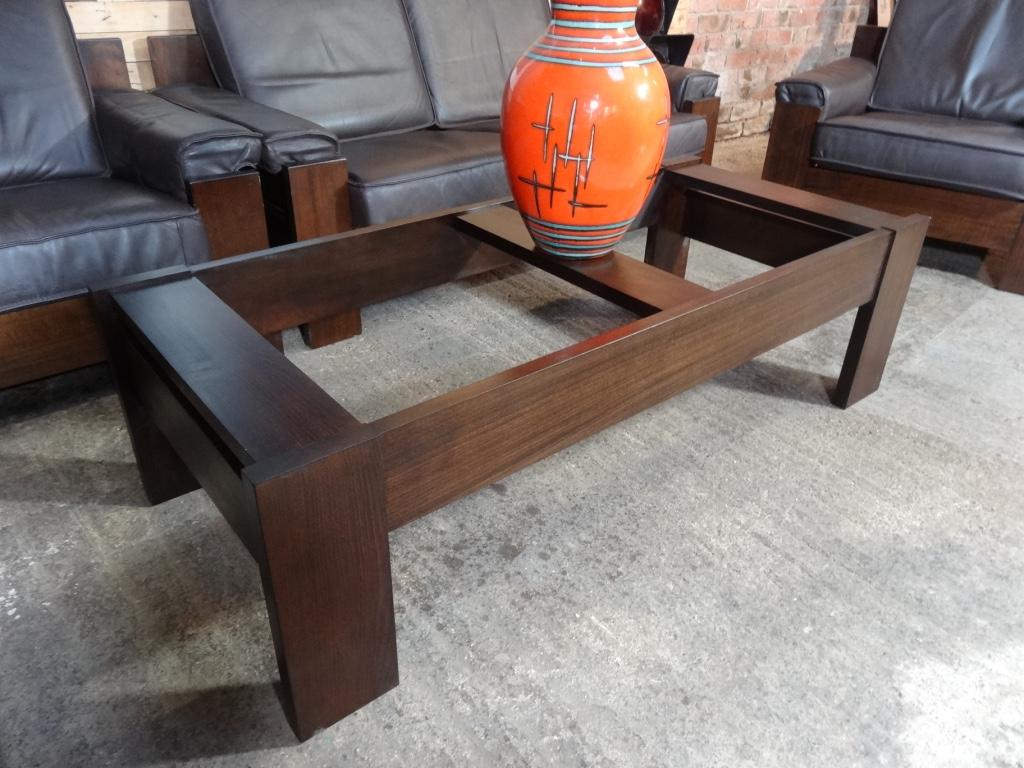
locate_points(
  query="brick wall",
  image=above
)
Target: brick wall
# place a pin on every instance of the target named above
(753, 44)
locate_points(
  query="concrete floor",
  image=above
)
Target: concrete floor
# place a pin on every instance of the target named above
(742, 576)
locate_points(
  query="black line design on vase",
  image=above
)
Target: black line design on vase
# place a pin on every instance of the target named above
(537, 187)
(582, 162)
(546, 127)
(575, 203)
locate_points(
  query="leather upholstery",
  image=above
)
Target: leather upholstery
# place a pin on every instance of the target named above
(488, 126)
(687, 84)
(686, 135)
(59, 237)
(954, 57)
(166, 147)
(468, 50)
(394, 177)
(287, 140)
(46, 123)
(969, 155)
(349, 66)
(841, 87)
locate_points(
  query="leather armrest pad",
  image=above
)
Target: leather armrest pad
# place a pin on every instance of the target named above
(166, 147)
(287, 139)
(839, 88)
(687, 84)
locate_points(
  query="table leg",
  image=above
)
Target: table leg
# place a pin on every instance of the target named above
(327, 581)
(875, 326)
(667, 247)
(164, 475)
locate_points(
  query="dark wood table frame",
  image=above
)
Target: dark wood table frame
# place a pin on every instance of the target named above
(312, 492)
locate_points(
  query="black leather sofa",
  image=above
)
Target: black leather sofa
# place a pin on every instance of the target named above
(925, 117)
(407, 92)
(91, 191)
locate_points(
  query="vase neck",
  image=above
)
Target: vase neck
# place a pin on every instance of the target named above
(606, 16)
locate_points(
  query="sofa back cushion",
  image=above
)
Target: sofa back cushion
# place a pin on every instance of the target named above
(348, 65)
(960, 58)
(47, 129)
(468, 49)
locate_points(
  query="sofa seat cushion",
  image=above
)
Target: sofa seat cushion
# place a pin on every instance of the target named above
(58, 238)
(488, 126)
(395, 177)
(968, 155)
(686, 135)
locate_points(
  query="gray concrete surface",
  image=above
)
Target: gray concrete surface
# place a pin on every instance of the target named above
(742, 576)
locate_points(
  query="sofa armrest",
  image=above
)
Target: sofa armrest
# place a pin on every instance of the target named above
(166, 147)
(686, 84)
(287, 140)
(839, 88)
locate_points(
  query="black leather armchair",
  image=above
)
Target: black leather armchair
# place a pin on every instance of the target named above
(91, 192)
(930, 121)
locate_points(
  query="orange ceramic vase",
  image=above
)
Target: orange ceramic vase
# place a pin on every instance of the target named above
(584, 127)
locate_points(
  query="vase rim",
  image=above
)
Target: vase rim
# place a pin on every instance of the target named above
(620, 13)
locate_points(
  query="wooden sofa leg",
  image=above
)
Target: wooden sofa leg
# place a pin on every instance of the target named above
(232, 211)
(332, 329)
(789, 144)
(1012, 277)
(708, 109)
(320, 206)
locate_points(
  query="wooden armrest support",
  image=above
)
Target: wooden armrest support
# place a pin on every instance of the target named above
(179, 59)
(789, 144)
(233, 215)
(708, 109)
(106, 67)
(316, 203)
(867, 42)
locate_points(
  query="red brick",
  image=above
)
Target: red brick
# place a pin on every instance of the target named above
(753, 44)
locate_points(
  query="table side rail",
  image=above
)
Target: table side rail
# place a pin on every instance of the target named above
(293, 285)
(254, 399)
(440, 450)
(766, 237)
(797, 204)
(626, 282)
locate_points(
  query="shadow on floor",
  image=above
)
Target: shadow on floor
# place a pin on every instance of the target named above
(85, 482)
(57, 393)
(781, 381)
(946, 258)
(191, 725)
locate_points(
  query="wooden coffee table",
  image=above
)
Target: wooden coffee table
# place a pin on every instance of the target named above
(312, 492)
